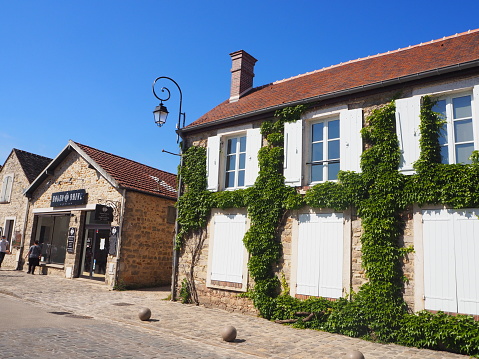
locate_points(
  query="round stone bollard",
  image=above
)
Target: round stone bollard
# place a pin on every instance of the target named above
(144, 314)
(228, 333)
(354, 354)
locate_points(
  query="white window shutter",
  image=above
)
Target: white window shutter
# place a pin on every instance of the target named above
(408, 111)
(351, 144)
(293, 153)
(254, 141)
(475, 114)
(9, 185)
(213, 162)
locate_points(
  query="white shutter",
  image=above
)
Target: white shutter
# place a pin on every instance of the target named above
(254, 141)
(293, 152)
(213, 162)
(466, 232)
(8, 185)
(475, 114)
(408, 111)
(439, 261)
(228, 250)
(320, 255)
(351, 145)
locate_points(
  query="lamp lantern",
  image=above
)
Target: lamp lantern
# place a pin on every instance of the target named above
(160, 113)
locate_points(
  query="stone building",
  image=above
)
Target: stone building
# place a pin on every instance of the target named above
(321, 247)
(18, 172)
(103, 217)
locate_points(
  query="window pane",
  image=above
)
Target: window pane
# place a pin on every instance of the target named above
(231, 146)
(463, 131)
(318, 132)
(316, 173)
(242, 160)
(333, 150)
(230, 163)
(463, 152)
(242, 144)
(441, 108)
(443, 135)
(240, 178)
(317, 154)
(444, 154)
(230, 179)
(333, 129)
(333, 169)
(462, 107)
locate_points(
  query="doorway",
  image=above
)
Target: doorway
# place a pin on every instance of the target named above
(95, 253)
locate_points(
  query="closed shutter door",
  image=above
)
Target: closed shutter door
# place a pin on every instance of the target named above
(408, 111)
(439, 261)
(466, 234)
(351, 122)
(213, 162)
(228, 249)
(293, 153)
(254, 141)
(320, 255)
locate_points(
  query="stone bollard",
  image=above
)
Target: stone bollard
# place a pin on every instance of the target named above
(228, 333)
(354, 354)
(144, 314)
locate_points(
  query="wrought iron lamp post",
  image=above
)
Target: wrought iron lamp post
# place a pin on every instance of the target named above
(160, 114)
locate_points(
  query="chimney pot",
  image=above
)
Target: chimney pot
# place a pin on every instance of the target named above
(242, 73)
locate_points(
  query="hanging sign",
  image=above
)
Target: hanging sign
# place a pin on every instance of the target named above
(68, 198)
(71, 240)
(103, 213)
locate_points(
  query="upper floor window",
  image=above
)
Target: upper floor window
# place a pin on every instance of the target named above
(235, 162)
(325, 152)
(457, 135)
(6, 189)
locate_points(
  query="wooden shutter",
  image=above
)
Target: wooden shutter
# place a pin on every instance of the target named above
(293, 153)
(320, 255)
(228, 250)
(351, 144)
(475, 114)
(408, 111)
(254, 141)
(212, 162)
(6, 190)
(439, 260)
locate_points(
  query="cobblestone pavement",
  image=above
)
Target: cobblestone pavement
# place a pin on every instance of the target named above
(195, 327)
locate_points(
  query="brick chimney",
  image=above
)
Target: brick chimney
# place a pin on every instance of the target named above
(242, 73)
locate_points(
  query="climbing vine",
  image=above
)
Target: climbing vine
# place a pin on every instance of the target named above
(379, 194)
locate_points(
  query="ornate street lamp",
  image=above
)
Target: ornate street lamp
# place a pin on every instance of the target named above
(160, 114)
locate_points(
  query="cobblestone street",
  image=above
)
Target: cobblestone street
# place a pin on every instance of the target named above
(174, 330)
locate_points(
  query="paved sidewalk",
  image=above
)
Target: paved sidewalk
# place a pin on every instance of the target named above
(256, 337)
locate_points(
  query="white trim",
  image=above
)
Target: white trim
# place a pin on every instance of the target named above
(435, 90)
(232, 130)
(84, 207)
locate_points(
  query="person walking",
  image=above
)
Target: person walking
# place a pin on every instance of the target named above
(3, 249)
(34, 254)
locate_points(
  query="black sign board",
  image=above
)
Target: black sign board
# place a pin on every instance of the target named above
(103, 213)
(113, 240)
(68, 198)
(71, 240)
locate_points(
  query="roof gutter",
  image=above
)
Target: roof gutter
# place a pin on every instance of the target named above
(353, 90)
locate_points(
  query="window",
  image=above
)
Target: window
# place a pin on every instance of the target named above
(6, 189)
(325, 150)
(457, 135)
(235, 162)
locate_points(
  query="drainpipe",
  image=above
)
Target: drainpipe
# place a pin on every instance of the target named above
(24, 232)
(118, 248)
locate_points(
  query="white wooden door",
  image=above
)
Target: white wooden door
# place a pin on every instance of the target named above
(320, 255)
(228, 250)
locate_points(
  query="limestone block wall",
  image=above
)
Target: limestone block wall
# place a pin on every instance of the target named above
(15, 209)
(146, 241)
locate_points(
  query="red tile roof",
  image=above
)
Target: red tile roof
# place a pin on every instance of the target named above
(133, 175)
(437, 54)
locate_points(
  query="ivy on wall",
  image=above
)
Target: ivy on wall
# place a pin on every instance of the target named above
(380, 194)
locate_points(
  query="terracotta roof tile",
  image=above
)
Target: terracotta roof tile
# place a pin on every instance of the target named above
(133, 175)
(31, 163)
(450, 51)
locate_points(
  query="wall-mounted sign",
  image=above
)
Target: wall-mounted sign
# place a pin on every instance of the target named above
(113, 240)
(71, 240)
(69, 198)
(103, 213)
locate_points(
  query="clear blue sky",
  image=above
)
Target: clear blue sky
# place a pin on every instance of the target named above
(83, 70)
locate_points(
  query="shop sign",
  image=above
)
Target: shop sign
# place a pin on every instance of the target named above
(113, 240)
(68, 198)
(103, 213)
(71, 240)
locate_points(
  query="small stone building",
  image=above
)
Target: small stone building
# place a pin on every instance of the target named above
(18, 172)
(103, 217)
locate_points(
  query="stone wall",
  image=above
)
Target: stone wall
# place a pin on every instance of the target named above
(146, 241)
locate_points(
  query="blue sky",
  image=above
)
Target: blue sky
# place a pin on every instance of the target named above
(83, 70)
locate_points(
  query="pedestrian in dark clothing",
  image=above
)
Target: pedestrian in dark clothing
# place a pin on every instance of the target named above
(34, 254)
(3, 249)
